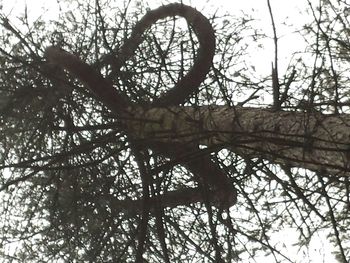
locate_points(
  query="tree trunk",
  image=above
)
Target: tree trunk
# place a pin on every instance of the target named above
(308, 140)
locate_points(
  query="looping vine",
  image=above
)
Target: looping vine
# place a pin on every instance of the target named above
(182, 89)
(202, 63)
(203, 167)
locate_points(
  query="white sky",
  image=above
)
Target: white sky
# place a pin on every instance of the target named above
(284, 11)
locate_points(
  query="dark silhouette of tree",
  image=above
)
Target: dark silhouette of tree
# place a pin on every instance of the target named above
(122, 138)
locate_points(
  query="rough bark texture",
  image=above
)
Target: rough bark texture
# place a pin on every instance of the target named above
(309, 140)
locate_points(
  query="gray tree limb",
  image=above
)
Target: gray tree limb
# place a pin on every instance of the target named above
(310, 140)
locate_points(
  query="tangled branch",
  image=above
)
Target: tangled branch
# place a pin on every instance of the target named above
(214, 184)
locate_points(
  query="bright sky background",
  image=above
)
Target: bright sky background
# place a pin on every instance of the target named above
(284, 11)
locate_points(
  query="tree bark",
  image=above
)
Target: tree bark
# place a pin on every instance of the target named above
(308, 140)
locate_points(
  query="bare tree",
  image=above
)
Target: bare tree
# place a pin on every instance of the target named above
(121, 140)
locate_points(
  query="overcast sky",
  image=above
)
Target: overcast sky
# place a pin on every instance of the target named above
(284, 11)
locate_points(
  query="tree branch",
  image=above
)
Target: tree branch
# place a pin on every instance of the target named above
(309, 140)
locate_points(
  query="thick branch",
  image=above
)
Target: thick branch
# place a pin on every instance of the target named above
(97, 84)
(171, 199)
(308, 140)
(208, 173)
(201, 64)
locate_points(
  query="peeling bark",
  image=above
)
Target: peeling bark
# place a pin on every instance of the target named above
(308, 140)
